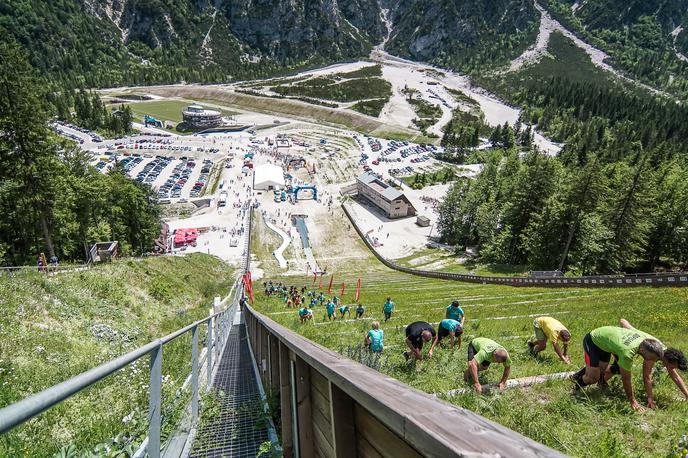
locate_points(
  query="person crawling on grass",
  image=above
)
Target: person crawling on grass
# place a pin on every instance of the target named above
(329, 309)
(388, 308)
(481, 353)
(360, 310)
(344, 309)
(305, 314)
(455, 312)
(451, 328)
(672, 359)
(549, 328)
(374, 339)
(625, 343)
(416, 334)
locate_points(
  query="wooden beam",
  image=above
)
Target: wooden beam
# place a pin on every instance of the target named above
(515, 383)
(304, 408)
(343, 425)
(285, 401)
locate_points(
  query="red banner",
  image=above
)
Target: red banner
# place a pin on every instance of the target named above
(244, 279)
(321, 276)
(358, 289)
(315, 278)
(341, 295)
(329, 290)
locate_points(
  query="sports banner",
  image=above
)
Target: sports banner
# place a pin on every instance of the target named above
(321, 276)
(329, 290)
(358, 289)
(341, 294)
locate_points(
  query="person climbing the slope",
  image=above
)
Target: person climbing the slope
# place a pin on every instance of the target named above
(344, 309)
(329, 309)
(374, 339)
(416, 334)
(548, 328)
(388, 308)
(672, 360)
(625, 343)
(455, 312)
(481, 353)
(305, 314)
(451, 328)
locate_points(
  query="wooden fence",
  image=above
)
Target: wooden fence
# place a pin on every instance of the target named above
(599, 281)
(331, 406)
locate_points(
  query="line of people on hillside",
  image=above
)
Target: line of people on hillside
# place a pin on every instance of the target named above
(608, 350)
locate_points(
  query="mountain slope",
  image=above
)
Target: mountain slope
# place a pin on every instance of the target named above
(644, 38)
(462, 34)
(115, 42)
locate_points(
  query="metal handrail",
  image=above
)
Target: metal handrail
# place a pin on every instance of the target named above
(217, 324)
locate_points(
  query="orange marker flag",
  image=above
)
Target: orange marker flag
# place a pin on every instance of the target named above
(341, 295)
(358, 289)
(329, 290)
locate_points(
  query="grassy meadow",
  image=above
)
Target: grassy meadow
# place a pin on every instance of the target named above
(53, 328)
(587, 424)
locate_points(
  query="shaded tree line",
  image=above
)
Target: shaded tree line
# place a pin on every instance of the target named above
(602, 217)
(51, 200)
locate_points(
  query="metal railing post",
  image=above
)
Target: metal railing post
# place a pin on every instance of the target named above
(209, 351)
(194, 374)
(155, 402)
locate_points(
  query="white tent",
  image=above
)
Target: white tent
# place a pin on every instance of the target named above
(267, 177)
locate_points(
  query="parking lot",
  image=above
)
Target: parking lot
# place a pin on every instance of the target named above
(173, 178)
(396, 158)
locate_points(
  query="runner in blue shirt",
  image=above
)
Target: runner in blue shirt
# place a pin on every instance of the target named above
(329, 307)
(305, 314)
(343, 310)
(451, 328)
(374, 338)
(360, 310)
(388, 308)
(455, 312)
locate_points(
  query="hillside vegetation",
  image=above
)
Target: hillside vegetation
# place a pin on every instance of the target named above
(52, 328)
(549, 413)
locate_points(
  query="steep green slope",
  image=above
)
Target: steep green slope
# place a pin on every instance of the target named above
(52, 328)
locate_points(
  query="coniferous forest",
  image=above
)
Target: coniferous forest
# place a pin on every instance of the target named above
(51, 199)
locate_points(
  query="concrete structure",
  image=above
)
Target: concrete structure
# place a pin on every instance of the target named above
(423, 221)
(267, 177)
(198, 118)
(392, 202)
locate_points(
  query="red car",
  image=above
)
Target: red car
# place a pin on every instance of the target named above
(376, 162)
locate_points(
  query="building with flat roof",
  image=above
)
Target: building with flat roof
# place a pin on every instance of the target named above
(199, 118)
(392, 202)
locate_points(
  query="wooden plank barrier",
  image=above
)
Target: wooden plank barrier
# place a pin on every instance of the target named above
(332, 406)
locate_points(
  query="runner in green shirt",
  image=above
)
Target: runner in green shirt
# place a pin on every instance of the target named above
(481, 353)
(672, 359)
(599, 344)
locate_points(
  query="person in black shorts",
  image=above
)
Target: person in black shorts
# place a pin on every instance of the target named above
(416, 334)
